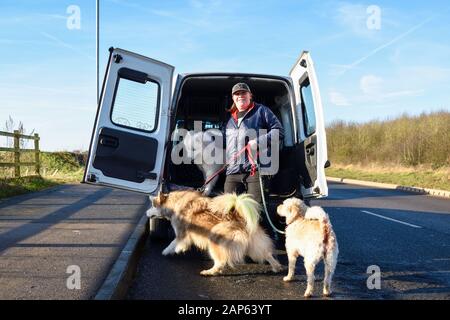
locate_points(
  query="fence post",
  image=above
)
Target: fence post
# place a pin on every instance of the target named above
(36, 154)
(16, 154)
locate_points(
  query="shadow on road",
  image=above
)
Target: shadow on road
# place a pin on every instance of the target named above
(11, 237)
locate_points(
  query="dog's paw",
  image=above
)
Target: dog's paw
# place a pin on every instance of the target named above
(308, 292)
(167, 251)
(209, 272)
(307, 295)
(288, 278)
(326, 292)
(181, 249)
(277, 268)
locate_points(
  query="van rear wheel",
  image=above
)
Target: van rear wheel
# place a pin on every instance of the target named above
(160, 229)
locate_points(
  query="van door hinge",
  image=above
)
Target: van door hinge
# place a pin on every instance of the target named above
(117, 58)
(91, 178)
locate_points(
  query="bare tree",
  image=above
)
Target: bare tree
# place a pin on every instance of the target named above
(10, 126)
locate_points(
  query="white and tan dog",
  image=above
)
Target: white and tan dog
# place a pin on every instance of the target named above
(227, 226)
(309, 234)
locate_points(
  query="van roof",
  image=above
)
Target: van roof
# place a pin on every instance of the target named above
(234, 74)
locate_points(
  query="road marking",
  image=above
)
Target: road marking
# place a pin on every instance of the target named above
(383, 217)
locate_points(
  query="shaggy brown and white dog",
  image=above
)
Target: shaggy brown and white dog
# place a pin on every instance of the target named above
(309, 234)
(226, 226)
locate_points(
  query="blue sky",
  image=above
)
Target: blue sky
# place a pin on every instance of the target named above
(48, 70)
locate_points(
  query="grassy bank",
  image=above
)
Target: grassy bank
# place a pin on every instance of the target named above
(408, 141)
(420, 176)
(56, 168)
(408, 150)
(14, 186)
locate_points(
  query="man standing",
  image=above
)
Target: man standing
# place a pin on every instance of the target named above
(244, 129)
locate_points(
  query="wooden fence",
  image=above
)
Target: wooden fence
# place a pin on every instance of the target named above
(18, 151)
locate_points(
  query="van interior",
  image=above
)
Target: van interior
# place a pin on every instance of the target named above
(207, 98)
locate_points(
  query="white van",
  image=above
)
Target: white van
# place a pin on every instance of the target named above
(141, 104)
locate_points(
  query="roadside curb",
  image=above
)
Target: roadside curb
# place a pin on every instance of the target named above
(427, 191)
(117, 282)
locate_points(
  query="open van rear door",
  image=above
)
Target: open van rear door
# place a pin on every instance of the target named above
(311, 126)
(131, 127)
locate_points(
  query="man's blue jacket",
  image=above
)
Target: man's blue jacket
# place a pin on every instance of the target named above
(237, 136)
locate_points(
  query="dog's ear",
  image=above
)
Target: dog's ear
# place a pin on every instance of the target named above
(301, 205)
(296, 208)
(295, 211)
(303, 208)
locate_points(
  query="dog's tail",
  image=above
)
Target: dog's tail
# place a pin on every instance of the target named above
(244, 205)
(317, 213)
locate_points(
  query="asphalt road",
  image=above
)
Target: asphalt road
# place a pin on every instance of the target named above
(43, 235)
(405, 235)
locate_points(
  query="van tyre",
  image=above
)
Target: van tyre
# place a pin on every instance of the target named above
(160, 229)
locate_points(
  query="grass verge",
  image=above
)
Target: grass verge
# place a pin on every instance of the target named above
(14, 186)
(421, 177)
(56, 168)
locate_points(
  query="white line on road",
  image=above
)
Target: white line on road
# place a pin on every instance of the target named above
(383, 217)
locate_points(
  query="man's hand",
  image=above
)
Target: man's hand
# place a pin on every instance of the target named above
(253, 145)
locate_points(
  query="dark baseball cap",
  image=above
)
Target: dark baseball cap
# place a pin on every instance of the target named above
(241, 86)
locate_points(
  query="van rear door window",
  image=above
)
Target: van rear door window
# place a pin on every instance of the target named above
(309, 117)
(136, 104)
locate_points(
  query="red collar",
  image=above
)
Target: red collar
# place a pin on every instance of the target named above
(234, 111)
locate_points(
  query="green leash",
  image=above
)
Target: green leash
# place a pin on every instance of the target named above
(265, 206)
